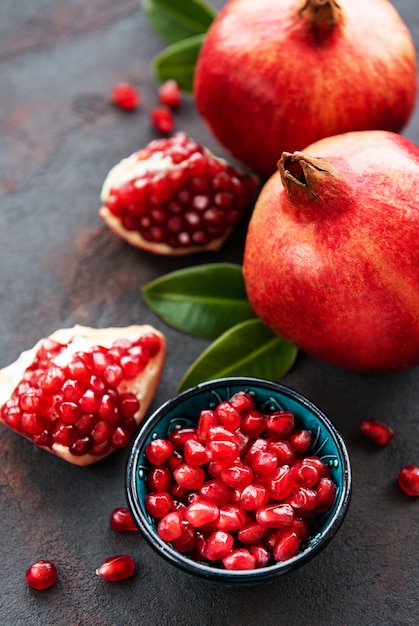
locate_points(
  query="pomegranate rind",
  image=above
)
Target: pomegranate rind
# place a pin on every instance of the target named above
(81, 338)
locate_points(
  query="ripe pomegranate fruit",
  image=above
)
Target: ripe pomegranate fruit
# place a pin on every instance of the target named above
(331, 259)
(175, 197)
(81, 392)
(276, 75)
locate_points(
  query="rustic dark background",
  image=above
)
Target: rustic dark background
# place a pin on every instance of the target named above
(60, 265)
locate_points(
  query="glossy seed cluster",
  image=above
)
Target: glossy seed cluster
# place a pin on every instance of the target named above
(241, 489)
(78, 405)
(189, 199)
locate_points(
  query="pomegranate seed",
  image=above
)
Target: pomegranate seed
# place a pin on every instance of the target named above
(41, 574)
(195, 453)
(304, 474)
(239, 559)
(275, 515)
(253, 424)
(189, 476)
(179, 436)
(325, 490)
(121, 520)
(321, 467)
(159, 479)
(251, 533)
(408, 479)
(187, 539)
(279, 482)
(264, 462)
(238, 475)
(283, 451)
(170, 526)
(206, 420)
(300, 440)
(279, 424)
(231, 517)
(286, 545)
(223, 451)
(158, 451)
(162, 119)
(159, 504)
(253, 497)
(243, 402)
(201, 512)
(116, 567)
(261, 555)
(377, 432)
(303, 498)
(170, 94)
(215, 491)
(218, 545)
(219, 433)
(228, 416)
(125, 96)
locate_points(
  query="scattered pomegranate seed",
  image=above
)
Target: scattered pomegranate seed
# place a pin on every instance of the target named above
(121, 520)
(408, 479)
(244, 499)
(162, 119)
(125, 96)
(377, 431)
(41, 574)
(116, 567)
(170, 94)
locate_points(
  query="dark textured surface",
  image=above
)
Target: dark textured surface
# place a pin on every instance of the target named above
(60, 265)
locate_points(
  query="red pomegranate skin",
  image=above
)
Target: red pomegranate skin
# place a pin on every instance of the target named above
(331, 259)
(267, 81)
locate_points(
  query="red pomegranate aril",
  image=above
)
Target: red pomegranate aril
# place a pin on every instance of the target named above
(73, 390)
(304, 474)
(53, 379)
(377, 432)
(125, 96)
(219, 433)
(77, 369)
(253, 423)
(215, 491)
(264, 462)
(224, 452)
(239, 559)
(300, 440)
(187, 539)
(283, 451)
(287, 544)
(162, 119)
(261, 554)
(30, 424)
(179, 493)
(101, 431)
(174, 460)
(243, 402)
(301, 527)
(231, 517)
(275, 515)
(279, 482)
(41, 574)
(237, 475)
(170, 94)
(170, 526)
(113, 375)
(251, 533)
(228, 416)
(128, 404)
(121, 520)
(325, 490)
(279, 424)
(408, 479)
(253, 497)
(189, 476)
(89, 402)
(200, 513)
(158, 450)
(116, 567)
(64, 434)
(179, 436)
(81, 446)
(195, 452)
(159, 479)
(218, 545)
(207, 420)
(159, 503)
(69, 412)
(302, 498)
(121, 435)
(316, 462)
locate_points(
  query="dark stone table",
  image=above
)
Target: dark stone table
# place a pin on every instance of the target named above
(60, 265)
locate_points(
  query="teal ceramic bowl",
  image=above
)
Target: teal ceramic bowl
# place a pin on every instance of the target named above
(183, 410)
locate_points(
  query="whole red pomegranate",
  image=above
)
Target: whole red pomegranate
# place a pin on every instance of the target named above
(331, 259)
(276, 75)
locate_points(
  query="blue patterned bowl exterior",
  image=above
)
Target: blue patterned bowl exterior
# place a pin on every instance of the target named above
(183, 410)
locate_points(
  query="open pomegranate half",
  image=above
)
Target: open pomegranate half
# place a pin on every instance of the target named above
(81, 392)
(174, 197)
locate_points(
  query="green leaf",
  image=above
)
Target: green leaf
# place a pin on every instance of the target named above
(248, 349)
(178, 62)
(204, 301)
(175, 20)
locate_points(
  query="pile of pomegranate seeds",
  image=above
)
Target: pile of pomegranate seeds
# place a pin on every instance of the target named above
(377, 432)
(174, 197)
(240, 489)
(76, 402)
(41, 574)
(125, 96)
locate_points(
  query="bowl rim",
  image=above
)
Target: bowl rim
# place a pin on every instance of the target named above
(211, 572)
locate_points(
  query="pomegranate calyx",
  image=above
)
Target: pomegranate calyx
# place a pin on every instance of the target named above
(305, 178)
(324, 14)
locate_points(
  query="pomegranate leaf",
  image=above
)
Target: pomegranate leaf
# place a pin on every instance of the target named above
(248, 349)
(175, 20)
(178, 62)
(204, 301)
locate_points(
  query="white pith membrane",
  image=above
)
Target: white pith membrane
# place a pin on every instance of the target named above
(80, 339)
(133, 167)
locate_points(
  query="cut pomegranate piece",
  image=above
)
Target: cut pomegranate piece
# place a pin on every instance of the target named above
(41, 574)
(175, 197)
(377, 432)
(64, 394)
(116, 567)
